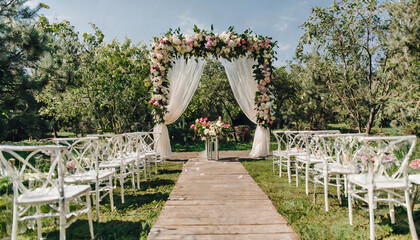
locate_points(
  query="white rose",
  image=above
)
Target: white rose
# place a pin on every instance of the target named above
(206, 131)
(232, 43)
(176, 41)
(227, 50)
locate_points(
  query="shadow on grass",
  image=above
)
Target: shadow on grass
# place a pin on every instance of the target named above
(157, 182)
(251, 159)
(170, 171)
(108, 230)
(133, 201)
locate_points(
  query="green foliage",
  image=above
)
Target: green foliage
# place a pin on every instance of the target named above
(93, 86)
(20, 49)
(403, 42)
(349, 43)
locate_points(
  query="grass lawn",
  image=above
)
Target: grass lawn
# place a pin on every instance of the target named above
(131, 220)
(310, 220)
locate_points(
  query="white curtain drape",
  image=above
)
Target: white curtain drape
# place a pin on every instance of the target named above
(244, 87)
(183, 78)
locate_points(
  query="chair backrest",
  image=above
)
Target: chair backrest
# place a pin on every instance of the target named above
(305, 142)
(281, 140)
(338, 148)
(386, 156)
(84, 153)
(148, 141)
(30, 167)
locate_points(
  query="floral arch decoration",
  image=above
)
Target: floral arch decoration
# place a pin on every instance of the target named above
(229, 45)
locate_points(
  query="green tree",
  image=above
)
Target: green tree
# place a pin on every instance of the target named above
(58, 68)
(350, 35)
(94, 86)
(404, 64)
(20, 49)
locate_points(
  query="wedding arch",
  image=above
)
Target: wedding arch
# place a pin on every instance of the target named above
(178, 62)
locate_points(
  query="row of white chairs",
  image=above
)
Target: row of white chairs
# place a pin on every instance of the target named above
(372, 169)
(60, 176)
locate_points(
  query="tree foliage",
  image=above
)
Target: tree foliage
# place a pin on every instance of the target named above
(20, 49)
(350, 36)
(93, 86)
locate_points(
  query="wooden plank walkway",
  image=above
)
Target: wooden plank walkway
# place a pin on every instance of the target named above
(219, 200)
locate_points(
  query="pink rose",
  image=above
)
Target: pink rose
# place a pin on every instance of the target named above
(271, 122)
(190, 42)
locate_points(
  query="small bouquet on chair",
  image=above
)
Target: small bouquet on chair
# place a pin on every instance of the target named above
(205, 128)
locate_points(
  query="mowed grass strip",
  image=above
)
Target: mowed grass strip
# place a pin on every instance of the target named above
(310, 220)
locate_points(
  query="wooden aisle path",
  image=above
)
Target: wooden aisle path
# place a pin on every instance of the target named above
(219, 200)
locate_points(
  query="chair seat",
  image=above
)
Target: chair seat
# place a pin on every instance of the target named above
(381, 182)
(414, 178)
(89, 176)
(334, 168)
(116, 163)
(51, 195)
(312, 159)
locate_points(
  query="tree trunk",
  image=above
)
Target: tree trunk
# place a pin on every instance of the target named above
(372, 115)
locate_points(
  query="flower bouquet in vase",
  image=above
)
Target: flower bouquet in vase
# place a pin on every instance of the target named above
(209, 131)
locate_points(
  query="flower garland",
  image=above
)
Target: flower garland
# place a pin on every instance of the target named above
(229, 45)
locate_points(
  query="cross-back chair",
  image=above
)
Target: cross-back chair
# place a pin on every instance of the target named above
(383, 177)
(335, 151)
(114, 155)
(306, 161)
(37, 174)
(289, 145)
(84, 167)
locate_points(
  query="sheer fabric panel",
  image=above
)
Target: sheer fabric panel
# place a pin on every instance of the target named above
(244, 87)
(183, 78)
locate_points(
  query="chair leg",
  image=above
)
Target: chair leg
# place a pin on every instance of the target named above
(314, 194)
(410, 215)
(111, 196)
(274, 159)
(15, 220)
(326, 191)
(289, 171)
(156, 165)
(350, 202)
(90, 215)
(122, 176)
(391, 209)
(138, 174)
(371, 213)
(338, 182)
(97, 199)
(133, 182)
(307, 178)
(38, 222)
(297, 173)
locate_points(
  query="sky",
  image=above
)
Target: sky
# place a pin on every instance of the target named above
(141, 20)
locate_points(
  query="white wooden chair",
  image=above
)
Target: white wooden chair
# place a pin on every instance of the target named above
(383, 177)
(307, 161)
(84, 167)
(335, 152)
(148, 142)
(135, 149)
(37, 174)
(115, 155)
(289, 145)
